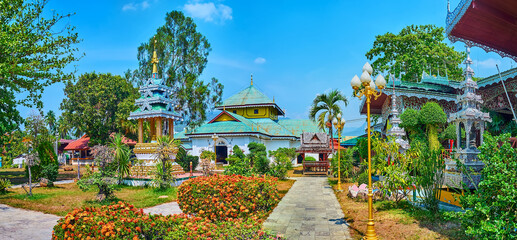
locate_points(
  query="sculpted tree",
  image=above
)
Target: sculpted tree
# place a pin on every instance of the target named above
(98, 104)
(433, 116)
(182, 53)
(413, 50)
(34, 51)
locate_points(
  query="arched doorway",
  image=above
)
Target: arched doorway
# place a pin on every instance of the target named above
(221, 149)
(222, 154)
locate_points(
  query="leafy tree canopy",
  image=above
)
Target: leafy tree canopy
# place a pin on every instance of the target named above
(413, 50)
(99, 104)
(182, 52)
(34, 51)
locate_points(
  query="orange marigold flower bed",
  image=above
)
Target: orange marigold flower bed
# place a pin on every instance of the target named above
(223, 197)
(124, 221)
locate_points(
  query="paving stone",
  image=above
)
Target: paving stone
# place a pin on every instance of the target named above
(309, 210)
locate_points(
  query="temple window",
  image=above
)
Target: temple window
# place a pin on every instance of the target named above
(234, 111)
(255, 111)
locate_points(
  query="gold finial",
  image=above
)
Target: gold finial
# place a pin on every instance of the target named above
(252, 79)
(224, 108)
(154, 60)
(273, 98)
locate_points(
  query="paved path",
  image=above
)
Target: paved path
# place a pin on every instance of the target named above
(21, 224)
(164, 209)
(309, 210)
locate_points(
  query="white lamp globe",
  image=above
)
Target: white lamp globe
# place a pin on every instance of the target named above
(334, 121)
(372, 85)
(367, 67)
(339, 116)
(365, 78)
(380, 82)
(356, 83)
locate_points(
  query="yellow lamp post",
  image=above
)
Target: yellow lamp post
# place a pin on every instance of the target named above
(368, 90)
(338, 124)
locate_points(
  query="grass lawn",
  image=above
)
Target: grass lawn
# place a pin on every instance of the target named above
(295, 172)
(63, 198)
(395, 221)
(284, 186)
(17, 175)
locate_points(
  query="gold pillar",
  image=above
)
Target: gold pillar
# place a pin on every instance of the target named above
(171, 128)
(153, 129)
(140, 130)
(158, 127)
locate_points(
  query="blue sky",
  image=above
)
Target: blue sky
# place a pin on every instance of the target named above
(294, 49)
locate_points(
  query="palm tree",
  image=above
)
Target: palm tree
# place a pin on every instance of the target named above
(122, 156)
(50, 118)
(166, 148)
(324, 107)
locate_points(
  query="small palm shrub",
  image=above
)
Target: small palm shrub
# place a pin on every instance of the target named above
(4, 185)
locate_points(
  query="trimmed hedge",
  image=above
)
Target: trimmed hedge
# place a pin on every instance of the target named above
(124, 221)
(226, 197)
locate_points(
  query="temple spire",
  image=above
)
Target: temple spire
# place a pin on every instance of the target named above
(251, 79)
(155, 60)
(448, 6)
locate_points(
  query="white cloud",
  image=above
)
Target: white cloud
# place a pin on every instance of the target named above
(208, 11)
(260, 60)
(488, 63)
(136, 6)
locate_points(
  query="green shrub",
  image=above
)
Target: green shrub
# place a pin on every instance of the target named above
(50, 172)
(183, 159)
(362, 178)
(238, 167)
(222, 197)
(347, 160)
(309, 158)
(46, 156)
(4, 184)
(258, 157)
(491, 210)
(124, 221)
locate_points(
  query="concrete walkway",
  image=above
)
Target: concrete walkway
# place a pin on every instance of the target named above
(309, 210)
(164, 209)
(21, 224)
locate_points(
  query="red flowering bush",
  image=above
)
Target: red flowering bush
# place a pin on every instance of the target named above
(123, 221)
(223, 197)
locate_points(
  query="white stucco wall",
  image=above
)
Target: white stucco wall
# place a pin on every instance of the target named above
(199, 144)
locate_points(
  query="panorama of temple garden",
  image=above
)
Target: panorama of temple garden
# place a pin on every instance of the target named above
(224, 119)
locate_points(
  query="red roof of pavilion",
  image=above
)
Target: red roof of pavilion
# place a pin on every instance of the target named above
(79, 144)
(125, 140)
(489, 24)
(336, 145)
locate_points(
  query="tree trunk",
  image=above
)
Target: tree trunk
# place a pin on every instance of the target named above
(331, 139)
(30, 180)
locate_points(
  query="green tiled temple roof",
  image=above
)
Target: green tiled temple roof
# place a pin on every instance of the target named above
(266, 126)
(512, 73)
(248, 96)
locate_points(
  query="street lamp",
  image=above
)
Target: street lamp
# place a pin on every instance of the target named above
(338, 124)
(368, 90)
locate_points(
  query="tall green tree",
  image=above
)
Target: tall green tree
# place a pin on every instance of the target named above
(325, 107)
(98, 104)
(182, 53)
(413, 50)
(50, 118)
(35, 49)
